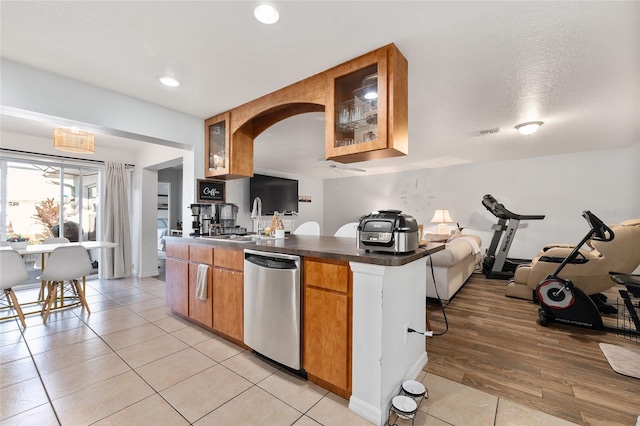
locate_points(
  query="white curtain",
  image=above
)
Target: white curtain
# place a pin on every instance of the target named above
(116, 262)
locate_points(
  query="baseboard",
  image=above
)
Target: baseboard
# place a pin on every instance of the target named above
(367, 411)
(378, 416)
(149, 274)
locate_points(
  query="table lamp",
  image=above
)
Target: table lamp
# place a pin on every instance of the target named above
(442, 217)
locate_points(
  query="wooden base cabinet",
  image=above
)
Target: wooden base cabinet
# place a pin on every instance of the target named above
(200, 310)
(223, 308)
(177, 279)
(228, 290)
(228, 302)
(327, 324)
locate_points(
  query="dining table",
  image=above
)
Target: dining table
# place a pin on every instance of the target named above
(48, 248)
(45, 249)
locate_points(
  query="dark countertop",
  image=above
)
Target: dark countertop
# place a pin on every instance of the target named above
(338, 248)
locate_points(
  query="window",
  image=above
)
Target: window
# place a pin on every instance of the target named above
(42, 200)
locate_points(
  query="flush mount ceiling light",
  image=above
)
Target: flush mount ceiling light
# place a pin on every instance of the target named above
(529, 127)
(169, 81)
(266, 14)
(73, 140)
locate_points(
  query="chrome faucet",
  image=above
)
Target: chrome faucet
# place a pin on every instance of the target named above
(256, 213)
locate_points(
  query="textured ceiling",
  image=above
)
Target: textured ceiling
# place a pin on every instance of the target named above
(472, 66)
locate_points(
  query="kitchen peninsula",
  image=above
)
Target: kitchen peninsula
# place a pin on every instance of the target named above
(357, 307)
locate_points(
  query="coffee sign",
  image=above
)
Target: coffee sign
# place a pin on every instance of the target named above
(210, 191)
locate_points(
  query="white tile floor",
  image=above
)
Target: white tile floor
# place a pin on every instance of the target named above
(132, 362)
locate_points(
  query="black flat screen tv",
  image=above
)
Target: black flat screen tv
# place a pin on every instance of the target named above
(277, 194)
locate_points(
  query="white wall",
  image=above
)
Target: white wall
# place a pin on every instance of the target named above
(607, 182)
(33, 91)
(148, 160)
(35, 94)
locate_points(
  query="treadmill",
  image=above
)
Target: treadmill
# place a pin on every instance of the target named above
(499, 265)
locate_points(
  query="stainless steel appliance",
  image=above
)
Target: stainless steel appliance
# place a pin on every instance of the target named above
(388, 231)
(206, 225)
(198, 211)
(226, 214)
(272, 306)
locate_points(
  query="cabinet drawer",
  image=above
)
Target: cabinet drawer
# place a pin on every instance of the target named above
(327, 274)
(230, 259)
(201, 254)
(178, 251)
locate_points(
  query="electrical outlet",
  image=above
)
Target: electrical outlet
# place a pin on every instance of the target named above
(405, 330)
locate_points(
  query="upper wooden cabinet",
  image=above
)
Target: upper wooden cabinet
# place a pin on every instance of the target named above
(365, 102)
(224, 158)
(367, 110)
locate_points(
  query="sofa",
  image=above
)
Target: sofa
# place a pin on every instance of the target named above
(453, 265)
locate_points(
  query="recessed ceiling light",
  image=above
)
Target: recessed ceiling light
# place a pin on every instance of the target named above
(169, 81)
(529, 127)
(266, 14)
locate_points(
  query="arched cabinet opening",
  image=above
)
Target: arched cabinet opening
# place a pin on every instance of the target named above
(365, 102)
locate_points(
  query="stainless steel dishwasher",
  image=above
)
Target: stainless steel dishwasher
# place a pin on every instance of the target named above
(272, 306)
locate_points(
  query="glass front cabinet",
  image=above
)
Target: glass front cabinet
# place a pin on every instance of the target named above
(226, 157)
(366, 113)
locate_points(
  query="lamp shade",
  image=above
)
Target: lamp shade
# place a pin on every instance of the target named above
(72, 140)
(441, 216)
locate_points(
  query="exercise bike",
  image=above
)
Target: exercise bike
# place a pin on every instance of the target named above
(561, 301)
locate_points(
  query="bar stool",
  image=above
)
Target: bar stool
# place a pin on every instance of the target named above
(308, 228)
(65, 264)
(13, 273)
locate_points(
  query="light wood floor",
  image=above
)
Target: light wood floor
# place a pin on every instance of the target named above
(494, 344)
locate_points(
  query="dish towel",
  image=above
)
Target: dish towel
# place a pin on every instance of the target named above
(201, 282)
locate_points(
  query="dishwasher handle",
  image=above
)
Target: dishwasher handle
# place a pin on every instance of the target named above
(271, 262)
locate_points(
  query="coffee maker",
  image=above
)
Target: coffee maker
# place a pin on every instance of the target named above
(226, 215)
(200, 214)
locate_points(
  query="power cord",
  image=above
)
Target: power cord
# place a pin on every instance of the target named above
(427, 333)
(444, 314)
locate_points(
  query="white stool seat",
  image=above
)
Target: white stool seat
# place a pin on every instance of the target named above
(347, 230)
(308, 228)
